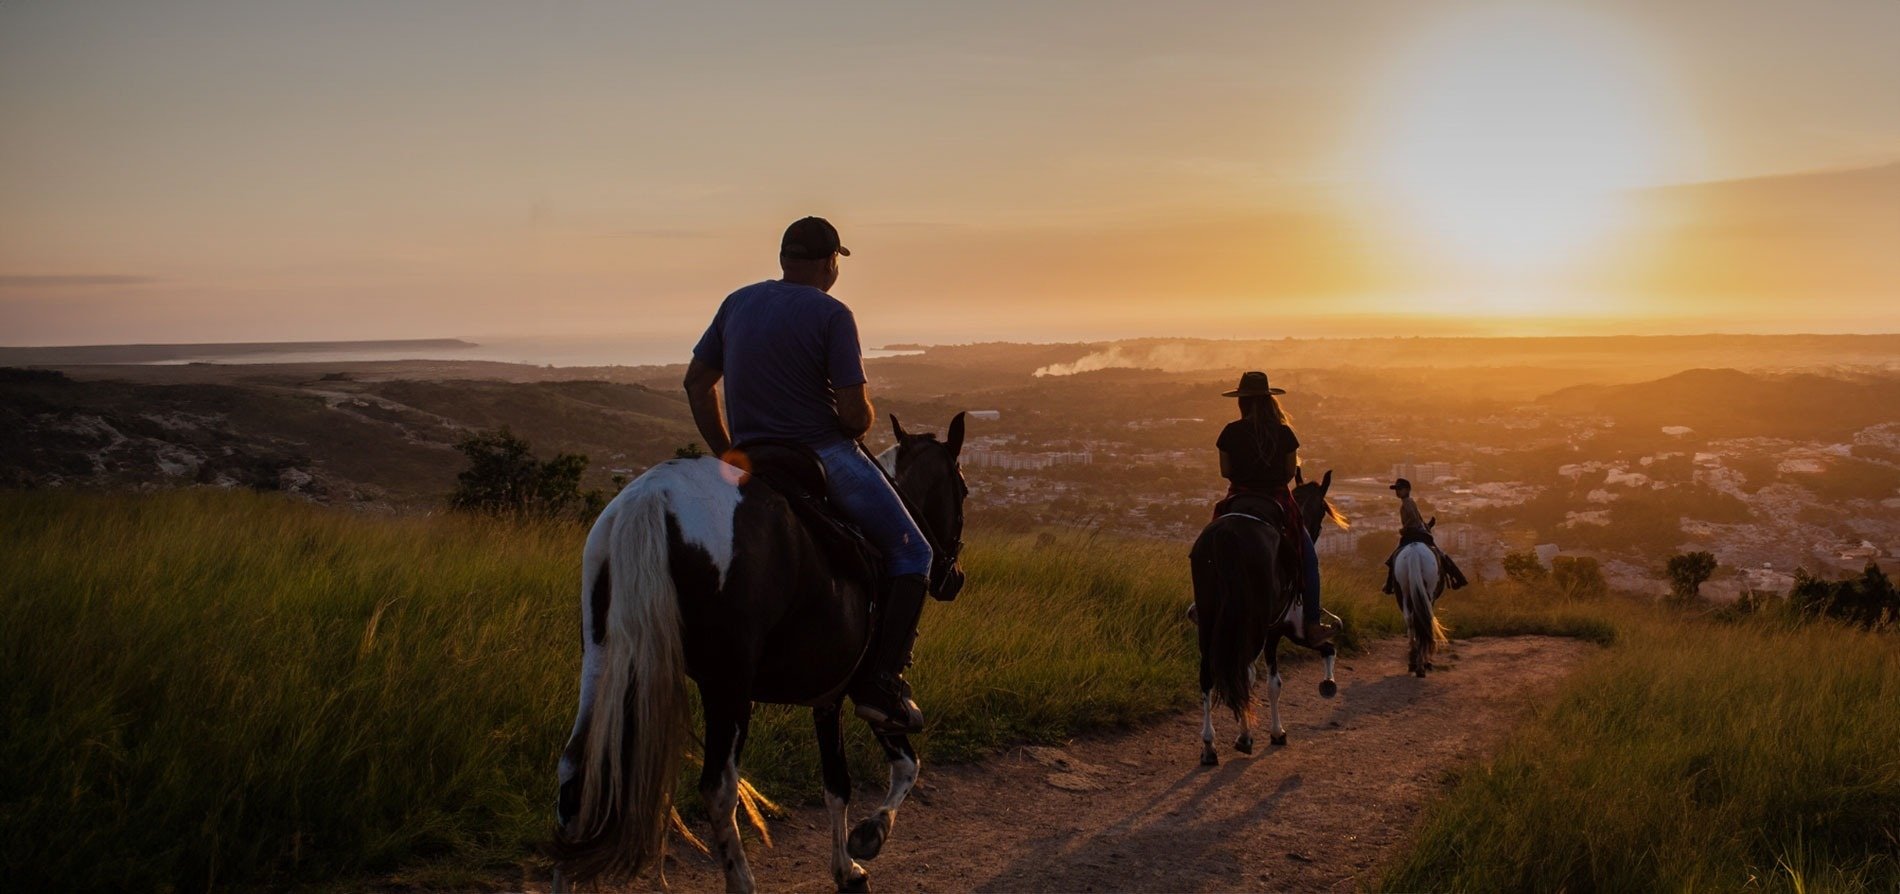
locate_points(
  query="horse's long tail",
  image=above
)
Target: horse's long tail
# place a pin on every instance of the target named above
(632, 732)
(1233, 640)
(1421, 581)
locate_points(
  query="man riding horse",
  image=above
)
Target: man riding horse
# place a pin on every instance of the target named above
(789, 354)
(1413, 528)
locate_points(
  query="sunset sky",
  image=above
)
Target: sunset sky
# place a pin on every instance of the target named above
(269, 171)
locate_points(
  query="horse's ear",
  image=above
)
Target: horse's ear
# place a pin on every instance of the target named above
(955, 438)
(897, 428)
(1326, 483)
(1297, 477)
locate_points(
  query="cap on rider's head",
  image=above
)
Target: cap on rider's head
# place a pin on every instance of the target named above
(1401, 484)
(811, 239)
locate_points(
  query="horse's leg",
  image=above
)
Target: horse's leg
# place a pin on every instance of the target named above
(1243, 743)
(726, 721)
(1276, 733)
(845, 871)
(1328, 688)
(869, 837)
(1208, 757)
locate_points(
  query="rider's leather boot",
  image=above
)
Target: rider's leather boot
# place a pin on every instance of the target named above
(881, 695)
(1458, 581)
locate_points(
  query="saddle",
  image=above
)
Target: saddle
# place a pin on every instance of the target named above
(796, 473)
(1269, 512)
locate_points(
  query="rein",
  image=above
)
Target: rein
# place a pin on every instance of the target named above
(945, 576)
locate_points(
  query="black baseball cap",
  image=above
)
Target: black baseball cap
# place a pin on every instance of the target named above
(811, 239)
(1399, 484)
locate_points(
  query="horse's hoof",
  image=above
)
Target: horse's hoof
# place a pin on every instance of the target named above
(1328, 689)
(866, 840)
(1279, 739)
(1244, 744)
(1208, 757)
(1420, 673)
(859, 885)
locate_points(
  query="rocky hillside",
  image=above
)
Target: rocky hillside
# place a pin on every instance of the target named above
(332, 437)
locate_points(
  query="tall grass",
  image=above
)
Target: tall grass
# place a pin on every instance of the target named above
(207, 688)
(1694, 755)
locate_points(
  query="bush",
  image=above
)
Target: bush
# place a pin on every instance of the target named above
(1687, 572)
(504, 478)
(1524, 567)
(1868, 601)
(1578, 576)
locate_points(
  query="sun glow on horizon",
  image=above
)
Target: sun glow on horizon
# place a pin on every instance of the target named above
(1507, 141)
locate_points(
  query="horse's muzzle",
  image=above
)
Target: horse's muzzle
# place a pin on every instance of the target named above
(946, 584)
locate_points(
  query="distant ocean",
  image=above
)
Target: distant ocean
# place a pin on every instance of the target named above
(534, 351)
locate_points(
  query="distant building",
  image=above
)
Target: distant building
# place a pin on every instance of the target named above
(1424, 473)
(998, 459)
(985, 415)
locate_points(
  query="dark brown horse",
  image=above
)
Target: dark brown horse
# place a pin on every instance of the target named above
(1244, 596)
(698, 570)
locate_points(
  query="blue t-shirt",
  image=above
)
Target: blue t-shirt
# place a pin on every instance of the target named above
(783, 349)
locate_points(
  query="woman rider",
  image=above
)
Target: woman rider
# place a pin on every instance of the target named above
(1258, 456)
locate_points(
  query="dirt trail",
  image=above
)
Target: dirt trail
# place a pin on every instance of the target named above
(1135, 811)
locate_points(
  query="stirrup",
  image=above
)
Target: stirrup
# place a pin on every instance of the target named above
(889, 691)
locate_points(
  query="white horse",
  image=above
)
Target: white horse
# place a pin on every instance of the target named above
(1420, 582)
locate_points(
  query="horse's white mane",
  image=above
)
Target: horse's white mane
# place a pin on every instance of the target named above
(888, 459)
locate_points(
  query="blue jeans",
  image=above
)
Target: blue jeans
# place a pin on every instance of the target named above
(859, 488)
(1310, 598)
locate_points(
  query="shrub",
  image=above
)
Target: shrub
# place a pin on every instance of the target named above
(1524, 567)
(504, 478)
(1869, 601)
(1687, 572)
(1578, 576)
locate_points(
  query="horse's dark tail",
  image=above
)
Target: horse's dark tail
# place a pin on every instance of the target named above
(637, 720)
(1234, 629)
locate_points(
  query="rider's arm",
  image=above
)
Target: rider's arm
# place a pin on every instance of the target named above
(1226, 465)
(704, 399)
(1292, 464)
(854, 410)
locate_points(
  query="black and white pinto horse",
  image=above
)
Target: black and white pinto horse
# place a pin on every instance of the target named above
(698, 570)
(1244, 603)
(1421, 580)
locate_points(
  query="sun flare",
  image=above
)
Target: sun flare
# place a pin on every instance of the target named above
(1510, 138)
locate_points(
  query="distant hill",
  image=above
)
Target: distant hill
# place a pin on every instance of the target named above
(1725, 403)
(74, 354)
(332, 438)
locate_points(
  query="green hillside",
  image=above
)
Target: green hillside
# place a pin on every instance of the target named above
(212, 688)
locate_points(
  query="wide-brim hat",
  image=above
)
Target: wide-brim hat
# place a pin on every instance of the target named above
(1253, 383)
(1396, 485)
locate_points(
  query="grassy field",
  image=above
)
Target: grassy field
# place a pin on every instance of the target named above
(214, 689)
(210, 688)
(1696, 755)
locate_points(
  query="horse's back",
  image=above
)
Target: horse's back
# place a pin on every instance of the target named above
(758, 606)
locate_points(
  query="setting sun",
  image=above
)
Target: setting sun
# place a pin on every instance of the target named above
(1510, 137)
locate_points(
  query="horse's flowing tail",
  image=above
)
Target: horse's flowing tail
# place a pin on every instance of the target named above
(1416, 586)
(633, 729)
(1234, 626)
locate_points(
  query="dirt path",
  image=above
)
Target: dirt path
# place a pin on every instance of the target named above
(1135, 811)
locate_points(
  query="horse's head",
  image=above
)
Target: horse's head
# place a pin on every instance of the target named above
(1315, 509)
(931, 479)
